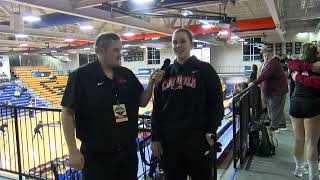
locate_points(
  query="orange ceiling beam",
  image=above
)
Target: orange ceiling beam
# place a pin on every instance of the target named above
(243, 25)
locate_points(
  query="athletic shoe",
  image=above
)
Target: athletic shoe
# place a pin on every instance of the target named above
(274, 130)
(283, 127)
(299, 172)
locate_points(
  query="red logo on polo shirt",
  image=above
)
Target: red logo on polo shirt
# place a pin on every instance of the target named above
(121, 81)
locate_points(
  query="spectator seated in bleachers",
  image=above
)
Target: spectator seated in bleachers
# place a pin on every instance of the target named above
(2, 86)
(53, 78)
(7, 103)
(17, 93)
(23, 89)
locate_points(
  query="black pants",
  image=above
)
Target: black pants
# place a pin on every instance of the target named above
(117, 165)
(187, 157)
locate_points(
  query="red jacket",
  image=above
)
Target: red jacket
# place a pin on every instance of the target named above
(273, 79)
(300, 66)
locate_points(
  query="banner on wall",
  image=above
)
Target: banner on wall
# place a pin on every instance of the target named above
(4, 68)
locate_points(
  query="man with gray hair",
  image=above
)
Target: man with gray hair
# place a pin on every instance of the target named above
(274, 86)
(101, 102)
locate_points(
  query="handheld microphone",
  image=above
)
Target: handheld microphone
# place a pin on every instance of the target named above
(166, 63)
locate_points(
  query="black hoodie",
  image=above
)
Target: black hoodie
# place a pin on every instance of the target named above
(188, 101)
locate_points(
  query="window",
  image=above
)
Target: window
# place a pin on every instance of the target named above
(130, 55)
(251, 49)
(92, 57)
(153, 56)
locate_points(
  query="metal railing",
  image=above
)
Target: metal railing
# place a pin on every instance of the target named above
(32, 143)
(229, 69)
(246, 108)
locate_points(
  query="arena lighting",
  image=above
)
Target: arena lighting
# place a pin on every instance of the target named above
(241, 40)
(234, 37)
(209, 21)
(129, 34)
(186, 13)
(207, 26)
(68, 40)
(199, 45)
(303, 34)
(31, 18)
(223, 32)
(24, 45)
(21, 35)
(142, 1)
(86, 27)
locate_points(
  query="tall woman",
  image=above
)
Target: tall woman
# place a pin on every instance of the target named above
(305, 112)
(187, 108)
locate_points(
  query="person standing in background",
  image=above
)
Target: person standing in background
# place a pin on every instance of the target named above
(275, 87)
(304, 110)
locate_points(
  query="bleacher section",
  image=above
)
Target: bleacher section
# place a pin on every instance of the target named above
(7, 96)
(37, 78)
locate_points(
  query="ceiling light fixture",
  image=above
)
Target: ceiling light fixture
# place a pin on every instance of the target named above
(21, 35)
(234, 37)
(207, 26)
(209, 21)
(68, 40)
(31, 18)
(187, 13)
(142, 1)
(223, 32)
(129, 34)
(86, 27)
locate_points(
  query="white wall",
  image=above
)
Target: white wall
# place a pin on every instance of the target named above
(5, 68)
(228, 59)
(302, 37)
(135, 65)
(63, 67)
(56, 64)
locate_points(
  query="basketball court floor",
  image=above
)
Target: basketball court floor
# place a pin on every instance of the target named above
(41, 141)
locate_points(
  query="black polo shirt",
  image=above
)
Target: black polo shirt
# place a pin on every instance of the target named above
(91, 95)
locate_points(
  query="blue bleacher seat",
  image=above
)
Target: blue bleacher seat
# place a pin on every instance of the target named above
(8, 95)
